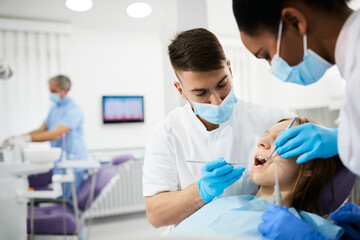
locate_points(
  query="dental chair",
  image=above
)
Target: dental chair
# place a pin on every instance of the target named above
(59, 219)
(120, 159)
(343, 182)
(40, 181)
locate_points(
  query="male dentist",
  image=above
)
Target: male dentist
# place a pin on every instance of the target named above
(214, 127)
(63, 127)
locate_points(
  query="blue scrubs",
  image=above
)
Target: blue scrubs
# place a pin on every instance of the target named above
(69, 114)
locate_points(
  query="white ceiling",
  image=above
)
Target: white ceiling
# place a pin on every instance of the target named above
(111, 14)
(105, 14)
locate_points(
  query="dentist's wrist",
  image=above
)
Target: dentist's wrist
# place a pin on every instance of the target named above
(203, 194)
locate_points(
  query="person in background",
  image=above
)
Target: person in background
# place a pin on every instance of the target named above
(214, 127)
(301, 39)
(63, 127)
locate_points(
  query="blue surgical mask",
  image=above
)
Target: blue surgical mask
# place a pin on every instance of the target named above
(55, 97)
(216, 114)
(309, 71)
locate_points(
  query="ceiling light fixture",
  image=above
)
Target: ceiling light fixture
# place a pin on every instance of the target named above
(79, 5)
(139, 10)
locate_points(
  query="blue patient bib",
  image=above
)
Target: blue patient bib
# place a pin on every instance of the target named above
(239, 216)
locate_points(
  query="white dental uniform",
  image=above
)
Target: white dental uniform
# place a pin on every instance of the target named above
(347, 57)
(181, 136)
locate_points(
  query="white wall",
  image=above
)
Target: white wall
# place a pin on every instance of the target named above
(109, 53)
(111, 63)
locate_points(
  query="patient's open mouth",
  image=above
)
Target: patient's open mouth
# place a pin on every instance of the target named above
(259, 160)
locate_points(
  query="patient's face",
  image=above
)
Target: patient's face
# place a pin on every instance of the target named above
(288, 169)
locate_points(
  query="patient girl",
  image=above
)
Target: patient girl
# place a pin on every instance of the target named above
(300, 187)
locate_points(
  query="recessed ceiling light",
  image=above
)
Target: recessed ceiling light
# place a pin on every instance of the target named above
(139, 10)
(79, 5)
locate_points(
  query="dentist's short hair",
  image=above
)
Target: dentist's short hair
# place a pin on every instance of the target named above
(63, 81)
(196, 50)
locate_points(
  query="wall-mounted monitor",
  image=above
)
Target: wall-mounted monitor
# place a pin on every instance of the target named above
(122, 109)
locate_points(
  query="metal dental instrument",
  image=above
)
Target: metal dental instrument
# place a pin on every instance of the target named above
(194, 161)
(277, 193)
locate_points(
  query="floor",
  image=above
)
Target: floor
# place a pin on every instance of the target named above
(133, 226)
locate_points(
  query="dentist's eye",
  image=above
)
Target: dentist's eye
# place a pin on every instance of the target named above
(200, 94)
(223, 84)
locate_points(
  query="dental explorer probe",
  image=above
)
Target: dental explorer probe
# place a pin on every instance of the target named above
(194, 161)
(277, 193)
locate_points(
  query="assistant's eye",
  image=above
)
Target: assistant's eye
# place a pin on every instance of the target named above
(267, 57)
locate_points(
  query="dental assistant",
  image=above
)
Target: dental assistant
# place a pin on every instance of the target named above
(63, 127)
(301, 39)
(214, 127)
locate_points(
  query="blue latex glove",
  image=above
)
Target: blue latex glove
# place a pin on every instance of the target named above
(215, 177)
(279, 223)
(348, 217)
(308, 141)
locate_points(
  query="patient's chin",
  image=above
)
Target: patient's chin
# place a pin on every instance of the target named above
(262, 180)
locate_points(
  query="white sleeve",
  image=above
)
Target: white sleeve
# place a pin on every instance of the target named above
(160, 171)
(349, 126)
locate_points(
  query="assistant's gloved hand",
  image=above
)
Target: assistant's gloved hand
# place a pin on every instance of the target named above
(309, 141)
(348, 217)
(215, 177)
(279, 223)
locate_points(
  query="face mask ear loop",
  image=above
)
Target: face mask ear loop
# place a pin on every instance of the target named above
(279, 37)
(305, 43)
(182, 88)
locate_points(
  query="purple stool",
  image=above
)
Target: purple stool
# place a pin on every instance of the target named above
(343, 182)
(122, 159)
(49, 220)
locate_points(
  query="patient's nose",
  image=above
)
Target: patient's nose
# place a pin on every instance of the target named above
(264, 143)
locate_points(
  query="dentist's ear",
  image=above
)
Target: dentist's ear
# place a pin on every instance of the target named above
(179, 88)
(228, 63)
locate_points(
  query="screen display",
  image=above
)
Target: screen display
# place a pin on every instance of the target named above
(118, 109)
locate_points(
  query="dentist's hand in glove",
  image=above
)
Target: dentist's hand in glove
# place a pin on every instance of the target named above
(215, 177)
(279, 223)
(308, 141)
(348, 217)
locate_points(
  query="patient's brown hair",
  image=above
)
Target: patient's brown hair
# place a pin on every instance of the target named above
(307, 189)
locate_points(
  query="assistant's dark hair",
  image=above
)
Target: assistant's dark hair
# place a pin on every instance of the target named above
(307, 189)
(196, 50)
(254, 15)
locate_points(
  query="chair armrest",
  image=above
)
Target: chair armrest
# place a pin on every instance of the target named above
(38, 201)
